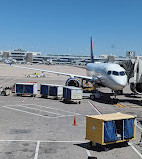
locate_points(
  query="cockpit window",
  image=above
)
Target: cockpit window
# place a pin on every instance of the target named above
(115, 73)
(109, 73)
(122, 73)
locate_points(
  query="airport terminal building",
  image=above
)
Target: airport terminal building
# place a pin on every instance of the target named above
(22, 56)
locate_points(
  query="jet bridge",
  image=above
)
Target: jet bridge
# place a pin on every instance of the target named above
(133, 69)
(129, 67)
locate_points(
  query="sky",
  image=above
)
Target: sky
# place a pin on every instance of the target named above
(65, 26)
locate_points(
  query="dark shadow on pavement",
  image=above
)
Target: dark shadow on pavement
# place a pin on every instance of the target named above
(100, 148)
(108, 98)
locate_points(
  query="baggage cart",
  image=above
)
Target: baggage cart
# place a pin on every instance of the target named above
(72, 94)
(53, 90)
(26, 89)
(110, 128)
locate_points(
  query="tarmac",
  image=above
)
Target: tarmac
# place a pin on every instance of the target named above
(37, 128)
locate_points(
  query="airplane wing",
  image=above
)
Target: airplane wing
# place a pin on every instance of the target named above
(84, 67)
(97, 79)
(58, 73)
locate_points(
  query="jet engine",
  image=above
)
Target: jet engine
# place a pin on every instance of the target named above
(136, 88)
(73, 82)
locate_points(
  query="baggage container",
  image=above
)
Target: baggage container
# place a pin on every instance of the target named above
(110, 128)
(72, 94)
(26, 89)
(51, 90)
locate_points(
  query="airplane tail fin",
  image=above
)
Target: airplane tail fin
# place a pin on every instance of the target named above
(92, 57)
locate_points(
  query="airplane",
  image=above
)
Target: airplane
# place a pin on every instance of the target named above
(109, 75)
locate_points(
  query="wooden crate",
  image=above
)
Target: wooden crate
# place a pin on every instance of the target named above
(96, 127)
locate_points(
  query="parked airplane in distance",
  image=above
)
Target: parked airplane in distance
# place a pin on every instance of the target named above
(109, 75)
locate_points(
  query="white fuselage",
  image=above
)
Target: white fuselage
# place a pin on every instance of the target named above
(112, 75)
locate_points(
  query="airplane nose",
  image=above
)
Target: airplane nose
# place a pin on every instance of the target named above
(122, 83)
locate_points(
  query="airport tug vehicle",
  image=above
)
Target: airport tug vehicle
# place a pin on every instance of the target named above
(5, 91)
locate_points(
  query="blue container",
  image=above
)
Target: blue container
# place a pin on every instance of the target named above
(64, 92)
(53, 91)
(19, 88)
(68, 94)
(26, 88)
(72, 93)
(44, 89)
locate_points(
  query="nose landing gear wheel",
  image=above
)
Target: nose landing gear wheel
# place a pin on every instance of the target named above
(3, 93)
(92, 97)
(115, 100)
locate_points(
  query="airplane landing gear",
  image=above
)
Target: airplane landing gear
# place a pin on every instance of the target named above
(95, 95)
(115, 100)
(119, 92)
(92, 97)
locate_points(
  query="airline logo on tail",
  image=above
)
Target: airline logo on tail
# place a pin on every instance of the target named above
(92, 57)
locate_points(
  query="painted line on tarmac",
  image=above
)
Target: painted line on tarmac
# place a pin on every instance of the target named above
(4, 80)
(10, 81)
(101, 113)
(93, 106)
(120, 105)
(135, 150)
(32, 98)
(39, 110)
(37, 150)
(43, 141)
(59, 110)
(24, 99)
(65, 116)
(54, 109)
(139, 127)
(25, 112)
(35, 113)
(128, 143)
(23, 105)
(88, 152)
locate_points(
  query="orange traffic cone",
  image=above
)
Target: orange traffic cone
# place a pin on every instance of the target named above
(75, 121)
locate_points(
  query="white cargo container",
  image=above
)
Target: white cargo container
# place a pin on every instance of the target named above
(51, 90)
(26, 89)
(72, 94)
